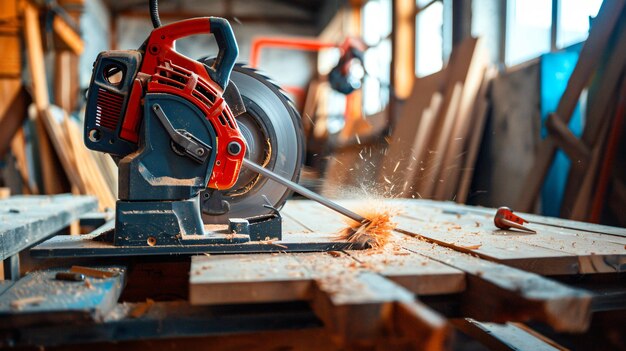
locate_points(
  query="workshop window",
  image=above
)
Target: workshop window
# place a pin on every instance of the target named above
(428, 37)
(376, 25)
(574, 19)
(530, 24)
(528, 30)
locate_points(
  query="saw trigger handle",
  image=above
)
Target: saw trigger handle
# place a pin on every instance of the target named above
(166, 35)
(228, 51)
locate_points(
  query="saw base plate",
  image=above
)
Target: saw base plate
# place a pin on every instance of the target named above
(94, 245)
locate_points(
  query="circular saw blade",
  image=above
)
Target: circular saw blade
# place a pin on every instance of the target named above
(273, 131)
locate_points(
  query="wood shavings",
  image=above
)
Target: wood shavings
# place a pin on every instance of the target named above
(472, 247)
(141, 309)
(269, 241)
(33, 300)
(334, 253)
(375, 233)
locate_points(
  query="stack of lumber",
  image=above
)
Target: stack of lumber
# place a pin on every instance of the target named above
(436, 138)
(59, 136)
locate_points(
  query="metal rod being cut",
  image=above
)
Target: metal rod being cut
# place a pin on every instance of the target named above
(303, 191)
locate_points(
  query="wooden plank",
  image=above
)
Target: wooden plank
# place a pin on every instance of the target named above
(8, 10)
(421, 138)
(11, 61)
(58, 302)
(506, 337)
(550, 235)
(226, 279)
(514, 126)
(459, 72)
(533, 218)
(455, 146)
(27, 220)
(307, 213)
(357, 305)
(41, 98)
(462, 234)
(567, 141)
(476, 136)
(616, 131)
(585, 181)
(537, 298)
(354, 303)
(18, 148)
(431, 158)
(581, 178)
(592, 50)
(13, 103)
(553, 251)
(447, 230)
(404, 141)
(68, 35)
(548, 252)
(499, 293)
(416, 273)
(254, 278)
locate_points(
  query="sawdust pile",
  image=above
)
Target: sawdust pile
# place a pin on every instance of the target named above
(376, 233)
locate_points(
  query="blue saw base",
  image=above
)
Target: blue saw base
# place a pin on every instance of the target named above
(99, 244)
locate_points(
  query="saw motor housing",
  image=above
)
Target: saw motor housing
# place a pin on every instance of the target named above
(164, 117)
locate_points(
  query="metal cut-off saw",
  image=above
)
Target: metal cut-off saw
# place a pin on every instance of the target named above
(207, 149)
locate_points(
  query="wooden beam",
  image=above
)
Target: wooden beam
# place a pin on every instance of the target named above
(68, 35)
(567, 141)
(481, 111)
(13, 117)
(616, 131)
(357, 305)
(499, 293)
(52, 176)
(257, 278)
(600, 109)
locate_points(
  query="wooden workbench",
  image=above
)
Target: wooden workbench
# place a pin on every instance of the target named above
(446, 270)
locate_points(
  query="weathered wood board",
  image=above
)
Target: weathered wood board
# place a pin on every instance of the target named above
(27, 220)
(39, 299)
(510, 293)
(552, 251)
(354, 302)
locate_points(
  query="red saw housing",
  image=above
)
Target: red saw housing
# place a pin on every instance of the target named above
(173, 73)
